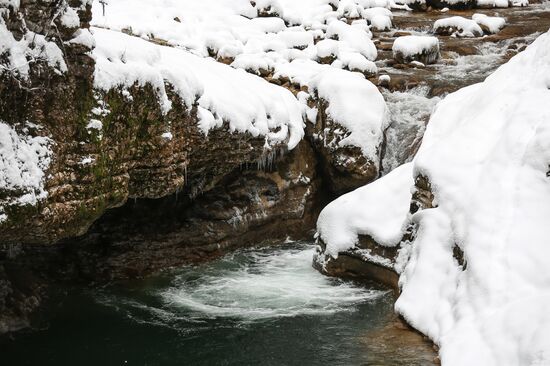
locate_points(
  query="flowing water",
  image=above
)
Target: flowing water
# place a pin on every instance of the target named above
(262, 306)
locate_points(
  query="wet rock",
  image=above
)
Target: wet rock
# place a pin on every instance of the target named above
(368, 261)
(461, 47)
(401, 34)
(398, 343)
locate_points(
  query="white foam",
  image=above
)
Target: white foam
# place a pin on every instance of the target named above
(263, 284)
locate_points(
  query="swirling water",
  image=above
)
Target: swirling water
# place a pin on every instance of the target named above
(261, 306)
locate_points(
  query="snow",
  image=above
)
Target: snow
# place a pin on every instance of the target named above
(356, 104)
(492, 3)
(494, 204)
(465, 27)
(353, 37)
(287, 45)
(94, 124)
(253, 105)
(414, 45)
(520, 3)
(378, 209)
(31, 47)
(384, 79)
(70, 18)
(492, 24)
(23, 161)
(233, 29)
(379, 17)
(83, 37)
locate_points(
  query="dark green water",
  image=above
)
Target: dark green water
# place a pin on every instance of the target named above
(262, 306)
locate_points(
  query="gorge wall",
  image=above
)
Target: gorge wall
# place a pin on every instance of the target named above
(107, 184)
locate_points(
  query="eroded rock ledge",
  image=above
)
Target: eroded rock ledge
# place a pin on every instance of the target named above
(121, 197)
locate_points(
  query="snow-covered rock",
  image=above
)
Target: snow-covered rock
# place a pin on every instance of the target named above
(355, 104)
(347, 121)
(253, 105)
(489, 24)
(458, 26)
(492, 3)
(234, 29)
(380, 18)
(31, 48)
(488, 4)
(423, 49)
(378, 209)
(477, 277)
(473, 261)
(23, 161)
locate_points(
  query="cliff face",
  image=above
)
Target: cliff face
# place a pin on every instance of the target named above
(103, 147)
(73, 151)
(45, 83)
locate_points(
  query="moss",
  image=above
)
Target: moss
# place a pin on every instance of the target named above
(18, 215)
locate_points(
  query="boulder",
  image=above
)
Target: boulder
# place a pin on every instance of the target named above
(422, 49)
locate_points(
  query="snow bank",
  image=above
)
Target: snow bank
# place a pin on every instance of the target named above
(489, 24)
(420, 48)
(486, 154)
(458, 26)
(23, 161)
(378, 209)
(246, 102)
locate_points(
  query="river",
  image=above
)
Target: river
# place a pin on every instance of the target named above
(259, 306)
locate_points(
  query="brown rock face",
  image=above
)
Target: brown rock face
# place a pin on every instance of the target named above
(128, 157)
(249, 206)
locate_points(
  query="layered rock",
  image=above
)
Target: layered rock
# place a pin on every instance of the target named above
(106, 146)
